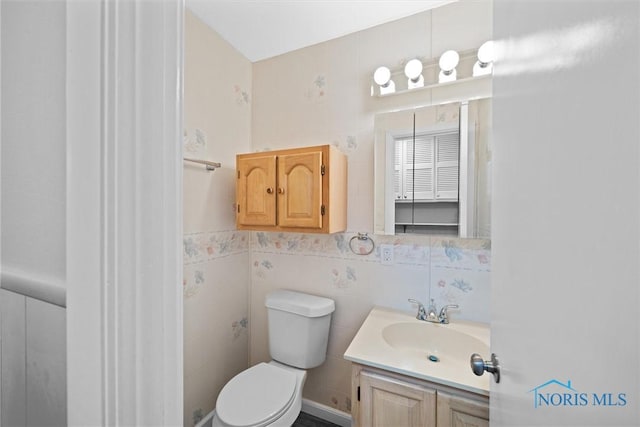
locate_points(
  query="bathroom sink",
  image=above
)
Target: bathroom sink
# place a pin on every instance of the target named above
(396, 341)
(435, 341)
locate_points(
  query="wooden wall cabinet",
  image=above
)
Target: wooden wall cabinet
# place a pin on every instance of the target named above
(382, 399)
(301, 190)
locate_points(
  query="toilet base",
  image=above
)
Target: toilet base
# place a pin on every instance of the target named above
(287, 419)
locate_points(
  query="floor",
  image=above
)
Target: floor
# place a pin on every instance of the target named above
(303, 420)
(306, 420)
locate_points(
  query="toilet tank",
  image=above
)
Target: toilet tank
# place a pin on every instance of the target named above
(298, 327)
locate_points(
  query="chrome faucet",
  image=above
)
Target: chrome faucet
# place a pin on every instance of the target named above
(443, 317)
(422, 312)
(429, 315)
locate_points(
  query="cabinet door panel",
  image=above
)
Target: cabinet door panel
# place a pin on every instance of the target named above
(300, 190)
(459, 412)
(389, 402)
(256, 191)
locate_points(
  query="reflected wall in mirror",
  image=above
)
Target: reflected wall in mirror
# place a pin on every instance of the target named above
(433, 169)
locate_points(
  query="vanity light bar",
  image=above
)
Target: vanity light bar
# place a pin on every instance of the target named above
(450, 67)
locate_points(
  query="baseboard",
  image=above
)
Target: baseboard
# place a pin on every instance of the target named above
(326, 413)
(207, 420)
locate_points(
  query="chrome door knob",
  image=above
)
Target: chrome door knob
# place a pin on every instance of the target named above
(479, 366)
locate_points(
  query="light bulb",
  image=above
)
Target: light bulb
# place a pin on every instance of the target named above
(484, 65)
(485, 53)
(382, 76)
(447, 76)
(413, 70)
(449, 61)
(482, 69)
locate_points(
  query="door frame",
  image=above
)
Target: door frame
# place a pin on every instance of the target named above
(124, 212)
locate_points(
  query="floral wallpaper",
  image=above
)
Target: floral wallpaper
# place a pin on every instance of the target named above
(317, 90)
(205, 246)
(202, 279)
(216, 276)
(242, 96)
(194, 142)
(458, 268)
(201, 247)
(347, 144)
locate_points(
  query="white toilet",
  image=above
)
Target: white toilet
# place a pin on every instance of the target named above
(270, 394)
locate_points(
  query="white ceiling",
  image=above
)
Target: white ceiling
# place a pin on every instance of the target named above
(261, 29)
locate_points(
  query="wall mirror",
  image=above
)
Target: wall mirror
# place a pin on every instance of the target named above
(433, 170)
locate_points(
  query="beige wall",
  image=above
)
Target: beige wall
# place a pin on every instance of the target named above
(320, 95)
(217, 117)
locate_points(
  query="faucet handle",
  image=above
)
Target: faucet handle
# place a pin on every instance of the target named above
(422, 312)
(444, 316)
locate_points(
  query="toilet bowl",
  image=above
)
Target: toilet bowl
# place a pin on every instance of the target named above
(270, 394)
(267, 394)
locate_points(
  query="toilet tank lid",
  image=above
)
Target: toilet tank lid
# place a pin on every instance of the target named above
(299, 303)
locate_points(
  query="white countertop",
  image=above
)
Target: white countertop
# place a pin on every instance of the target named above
(369, 347)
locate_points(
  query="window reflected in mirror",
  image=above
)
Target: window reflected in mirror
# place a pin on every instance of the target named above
(426, 182)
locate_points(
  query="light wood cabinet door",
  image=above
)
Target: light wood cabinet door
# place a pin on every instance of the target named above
(454, 411)
(386, 402)
(300, 190)
(256, 190)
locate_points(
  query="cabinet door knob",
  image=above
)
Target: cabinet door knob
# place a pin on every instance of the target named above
(269, 190)
(280, 190)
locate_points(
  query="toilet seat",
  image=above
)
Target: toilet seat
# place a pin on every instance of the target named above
(256, 396)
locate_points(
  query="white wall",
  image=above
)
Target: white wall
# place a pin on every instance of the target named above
(33, 137)
(33, 213)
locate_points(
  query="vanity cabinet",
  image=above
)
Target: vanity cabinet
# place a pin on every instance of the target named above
(301, 190)
(382, 399)
(387, 401)
(457, 411)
